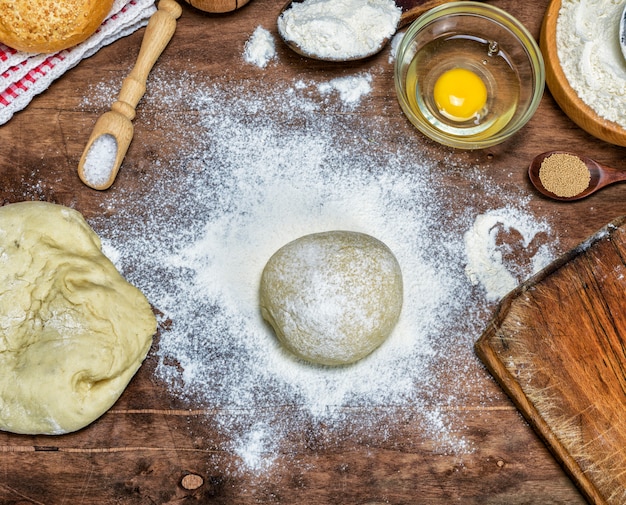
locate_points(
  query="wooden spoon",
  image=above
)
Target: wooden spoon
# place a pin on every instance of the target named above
(601, 176)
(115, 126)
(411, 10)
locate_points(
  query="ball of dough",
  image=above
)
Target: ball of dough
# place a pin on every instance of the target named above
(73, 332)
(333, 297)
(47, 26)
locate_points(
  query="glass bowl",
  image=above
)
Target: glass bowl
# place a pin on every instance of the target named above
(468, 75)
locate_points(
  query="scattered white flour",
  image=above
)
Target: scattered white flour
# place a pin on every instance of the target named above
(587, 35)
(110, 251)
(339, 29)
(351, 89)
(259, 171)
(395, 42)
(485, 249)
(257, 448)
(260, 48)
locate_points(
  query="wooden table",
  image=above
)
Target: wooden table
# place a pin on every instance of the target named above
(150, 446)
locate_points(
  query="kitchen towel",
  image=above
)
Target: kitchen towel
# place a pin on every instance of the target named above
(24, 75)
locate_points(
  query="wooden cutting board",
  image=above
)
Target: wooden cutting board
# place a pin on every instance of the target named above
(557, 346)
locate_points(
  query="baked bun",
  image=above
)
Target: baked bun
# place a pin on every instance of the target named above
(48, 26)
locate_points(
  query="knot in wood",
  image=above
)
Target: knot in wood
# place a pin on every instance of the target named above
(191, 481)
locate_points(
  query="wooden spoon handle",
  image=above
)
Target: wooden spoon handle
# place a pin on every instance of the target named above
(159, 32)
(412, 9)
(610, 175)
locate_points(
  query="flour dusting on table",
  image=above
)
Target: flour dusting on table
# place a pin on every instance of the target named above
(257, 171)
(485, 261)
(350, 89)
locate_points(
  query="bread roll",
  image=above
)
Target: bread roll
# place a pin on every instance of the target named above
(48, 26)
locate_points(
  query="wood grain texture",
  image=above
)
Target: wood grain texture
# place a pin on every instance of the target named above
(583, 115)
(558, 347)
(142, 449)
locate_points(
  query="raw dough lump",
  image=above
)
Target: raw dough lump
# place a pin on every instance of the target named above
(73, 332)
(333, 297)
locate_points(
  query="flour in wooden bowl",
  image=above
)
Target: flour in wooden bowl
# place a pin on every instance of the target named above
(587, 37)
(259, 171)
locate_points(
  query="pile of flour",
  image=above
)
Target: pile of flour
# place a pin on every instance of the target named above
(259, 170)
(260, 48)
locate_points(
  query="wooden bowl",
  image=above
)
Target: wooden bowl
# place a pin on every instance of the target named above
(217, 6)
(578, 111)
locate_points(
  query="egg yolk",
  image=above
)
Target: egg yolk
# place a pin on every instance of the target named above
(460, 94)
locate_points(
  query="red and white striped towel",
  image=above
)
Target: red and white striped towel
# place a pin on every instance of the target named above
(24, 75)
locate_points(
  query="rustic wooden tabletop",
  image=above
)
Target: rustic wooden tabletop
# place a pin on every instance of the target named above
(159, 443)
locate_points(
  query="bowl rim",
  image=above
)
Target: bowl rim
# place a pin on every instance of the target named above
(563, 93)
(508, 21)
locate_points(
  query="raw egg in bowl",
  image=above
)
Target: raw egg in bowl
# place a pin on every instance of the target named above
(468, 75)
(460, 95)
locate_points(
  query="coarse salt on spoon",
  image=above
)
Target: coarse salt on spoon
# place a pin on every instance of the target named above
(113, 131)
(589, 174)
(409, 11)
